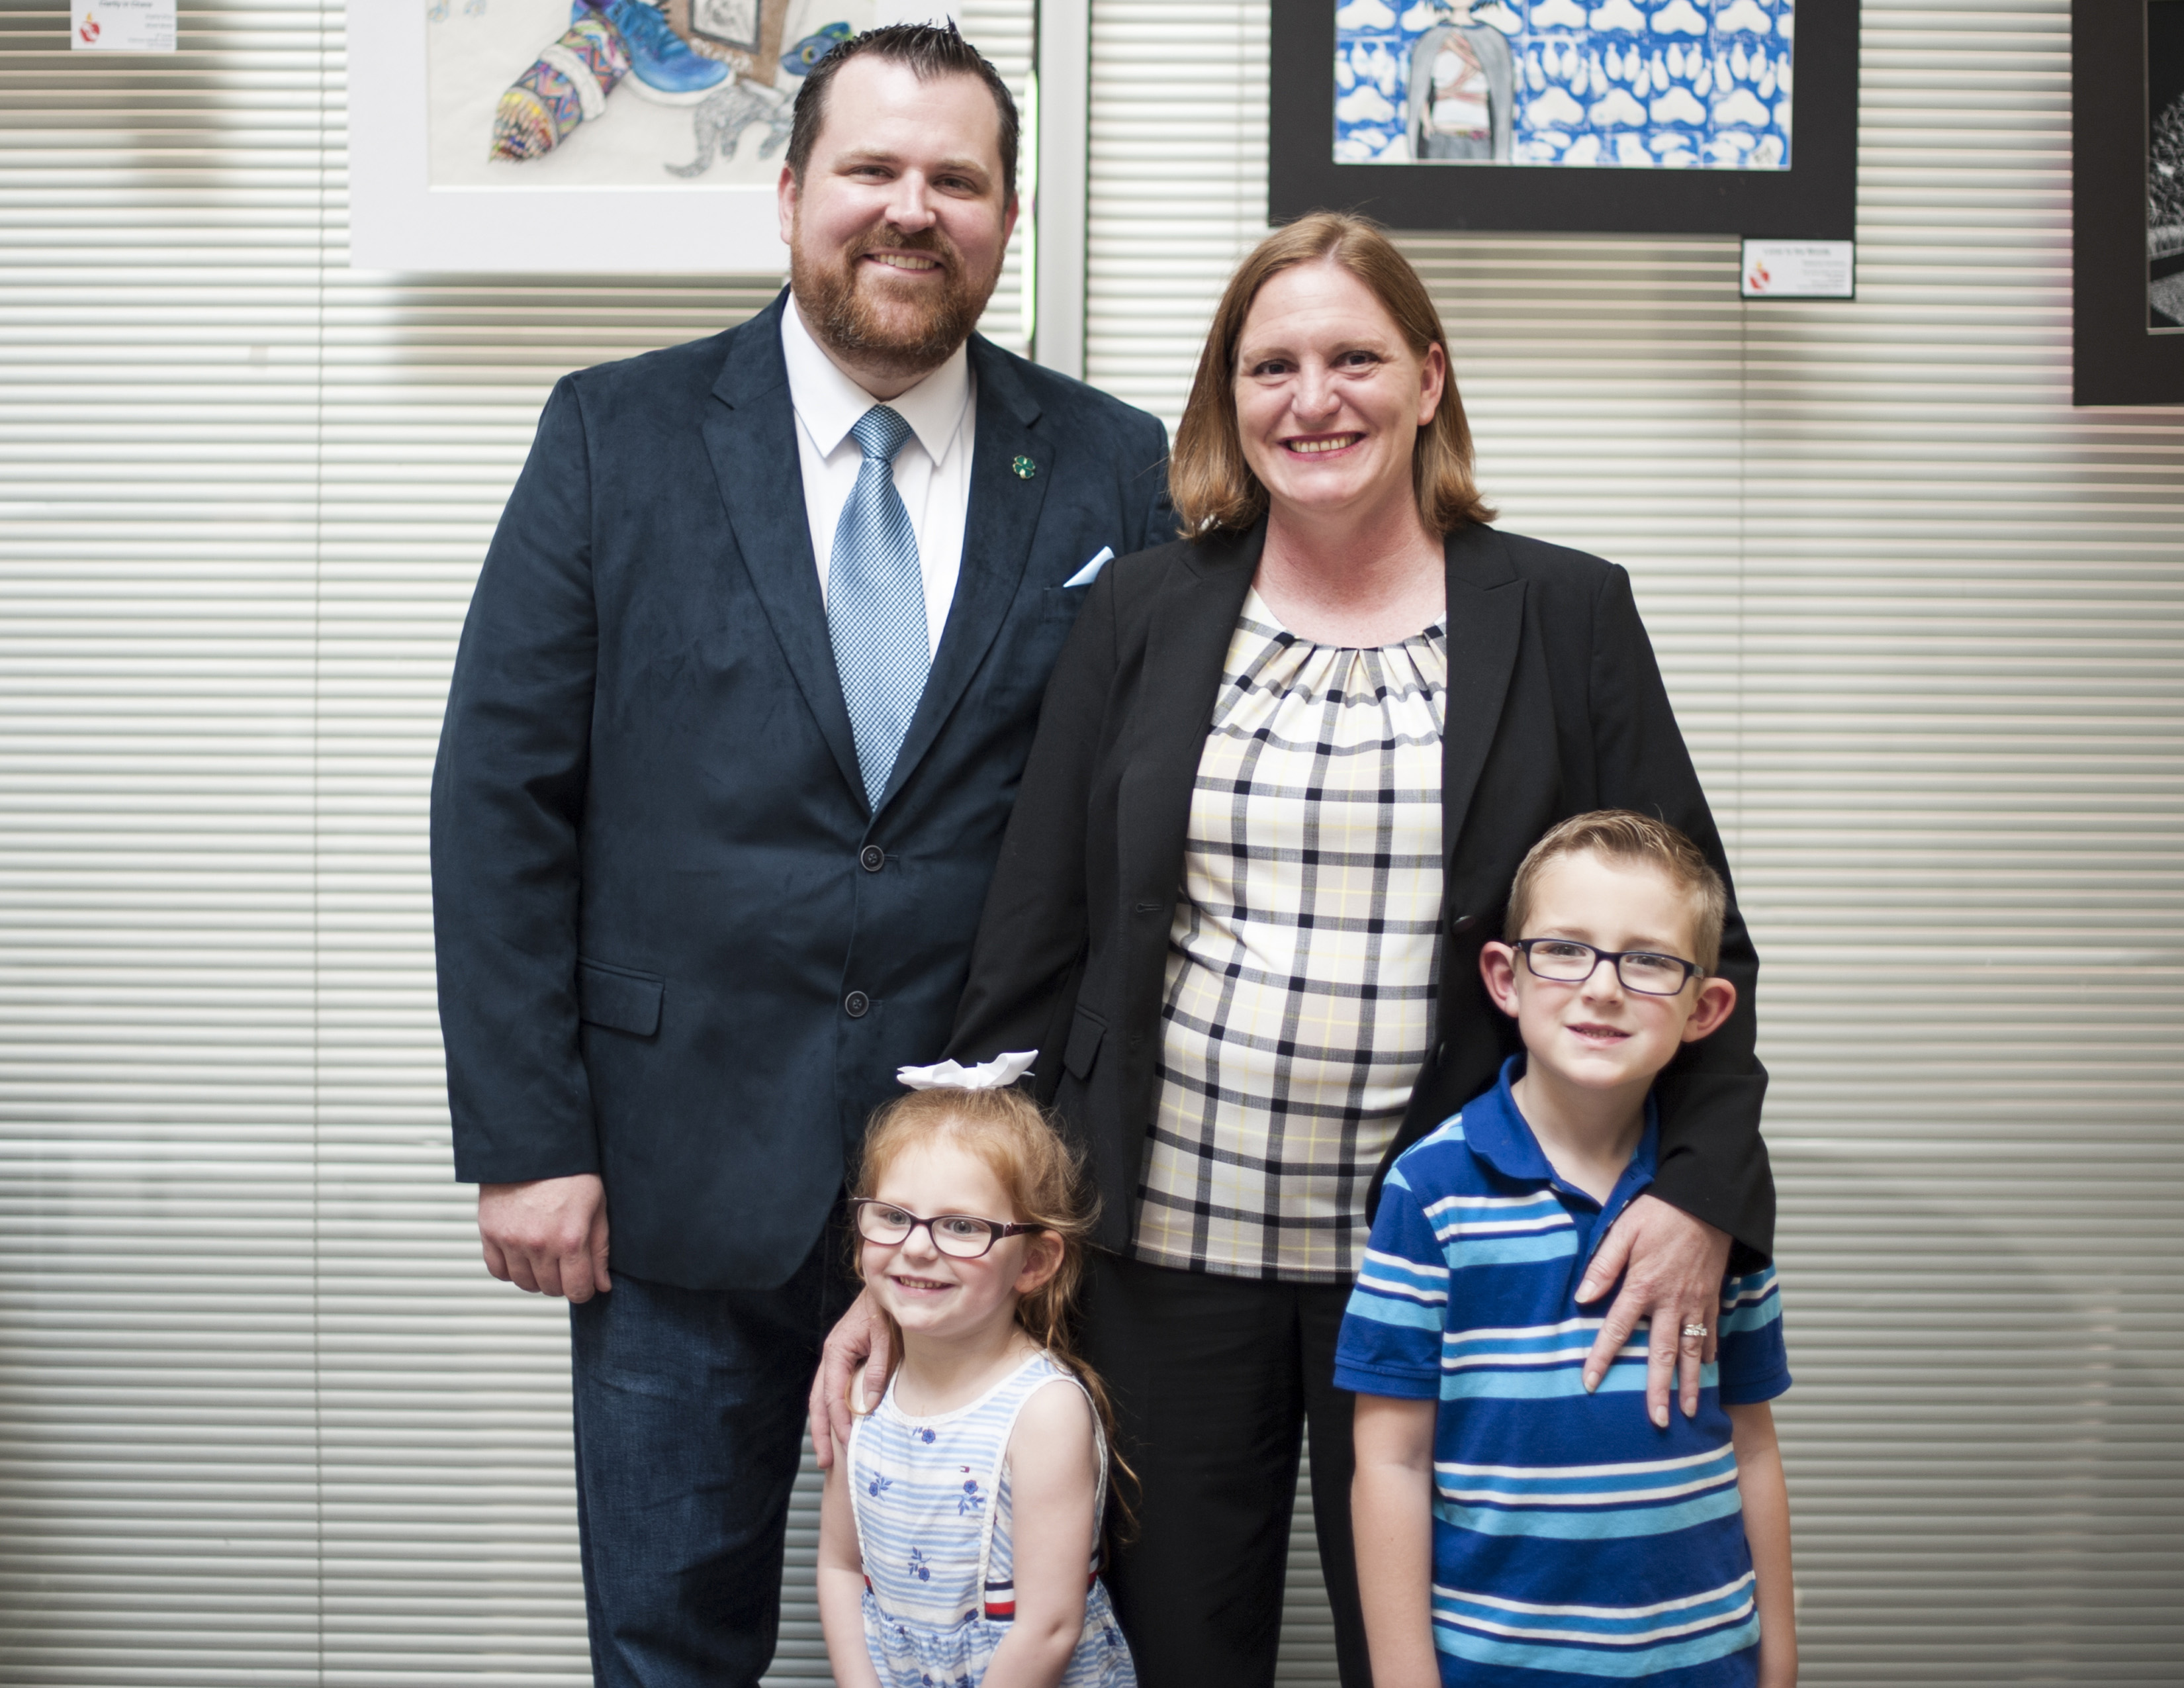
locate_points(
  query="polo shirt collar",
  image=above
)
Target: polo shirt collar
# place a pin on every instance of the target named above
(829, 403)
(1495, 1131)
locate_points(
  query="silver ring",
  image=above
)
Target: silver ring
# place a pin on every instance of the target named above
(1694, 1330)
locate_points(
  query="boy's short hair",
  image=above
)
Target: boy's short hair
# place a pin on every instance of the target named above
(1624, 835)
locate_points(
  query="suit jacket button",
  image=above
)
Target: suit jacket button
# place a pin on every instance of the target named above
(872, 858)
(1461, 924)
(856, 1005)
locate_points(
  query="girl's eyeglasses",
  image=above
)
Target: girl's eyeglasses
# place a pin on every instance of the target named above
(1566, 962)
(956, 1234)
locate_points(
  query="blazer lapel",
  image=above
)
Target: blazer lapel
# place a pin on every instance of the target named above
(1485, 626)
(750, 434)
(998, 524)
(1188, 640)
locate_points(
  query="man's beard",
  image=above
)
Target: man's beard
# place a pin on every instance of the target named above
(907, 339)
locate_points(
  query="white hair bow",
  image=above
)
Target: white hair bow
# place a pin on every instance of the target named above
(997, 1074)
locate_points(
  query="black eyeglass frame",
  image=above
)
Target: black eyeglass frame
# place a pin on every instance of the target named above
(1691, 969)
(995, 1229)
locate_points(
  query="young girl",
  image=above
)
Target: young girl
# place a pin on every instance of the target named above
(957, 1541)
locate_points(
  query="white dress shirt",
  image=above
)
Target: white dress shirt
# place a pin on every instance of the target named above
(931, 472)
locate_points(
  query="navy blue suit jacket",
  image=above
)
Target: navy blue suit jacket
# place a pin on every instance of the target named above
(677, 948)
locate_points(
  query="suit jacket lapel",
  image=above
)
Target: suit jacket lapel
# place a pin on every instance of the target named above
(750, 434)
(1186, 644)
(1485, 626)
(998, 524)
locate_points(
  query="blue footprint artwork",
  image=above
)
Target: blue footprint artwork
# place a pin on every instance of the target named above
(1629, 84)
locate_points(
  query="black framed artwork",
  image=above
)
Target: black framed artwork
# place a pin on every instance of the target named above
(1731, 117)
(2127, 177)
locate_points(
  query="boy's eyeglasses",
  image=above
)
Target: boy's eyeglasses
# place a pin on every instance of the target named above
(956, 1234)
(1566, 962)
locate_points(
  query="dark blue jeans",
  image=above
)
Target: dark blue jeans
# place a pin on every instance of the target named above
(689, 1412)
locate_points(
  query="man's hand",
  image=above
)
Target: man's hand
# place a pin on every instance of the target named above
(548, 1235)
(859, 1338)
(1672, 1265)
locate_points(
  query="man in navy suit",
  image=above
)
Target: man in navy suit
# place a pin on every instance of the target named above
(742, 702)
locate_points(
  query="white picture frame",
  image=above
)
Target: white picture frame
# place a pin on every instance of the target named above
(400, 220)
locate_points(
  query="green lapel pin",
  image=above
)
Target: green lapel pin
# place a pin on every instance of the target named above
(1025, 468)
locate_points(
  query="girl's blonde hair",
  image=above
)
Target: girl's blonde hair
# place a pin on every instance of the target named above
(1044, 1179)
(1212, 486)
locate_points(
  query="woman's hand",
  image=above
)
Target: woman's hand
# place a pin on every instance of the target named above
(859, 1338)
(1671, 1265)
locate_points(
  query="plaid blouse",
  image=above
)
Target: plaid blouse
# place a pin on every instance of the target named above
(1303, 960)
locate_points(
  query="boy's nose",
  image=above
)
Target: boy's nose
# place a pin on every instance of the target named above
(1604, 981)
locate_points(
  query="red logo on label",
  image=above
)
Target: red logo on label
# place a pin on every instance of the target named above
(89, 31)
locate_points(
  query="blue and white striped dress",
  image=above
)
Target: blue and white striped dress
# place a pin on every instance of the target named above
(931, 1499)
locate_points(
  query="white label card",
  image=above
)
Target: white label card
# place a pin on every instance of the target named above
(121, 25)
(1800, 270)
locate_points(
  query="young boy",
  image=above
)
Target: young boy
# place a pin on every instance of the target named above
(1512, 1528)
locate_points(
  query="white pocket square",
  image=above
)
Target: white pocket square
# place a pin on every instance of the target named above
(1090, 571)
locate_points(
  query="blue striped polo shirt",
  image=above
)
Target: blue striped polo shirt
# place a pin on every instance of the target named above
(1572, 1540)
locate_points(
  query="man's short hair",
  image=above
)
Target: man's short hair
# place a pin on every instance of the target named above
(1624, 835)
(931, 51)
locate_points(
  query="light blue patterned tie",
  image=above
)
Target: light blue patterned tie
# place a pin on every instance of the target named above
(876, 603)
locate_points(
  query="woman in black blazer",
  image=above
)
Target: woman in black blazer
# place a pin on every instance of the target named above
(1240, 920)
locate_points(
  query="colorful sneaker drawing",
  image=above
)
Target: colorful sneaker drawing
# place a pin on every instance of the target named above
(663, 67)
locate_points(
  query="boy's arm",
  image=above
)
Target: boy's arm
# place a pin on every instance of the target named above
(1054, 1485)
(842, 1584)
(1391, 1516)
(1766, 1500)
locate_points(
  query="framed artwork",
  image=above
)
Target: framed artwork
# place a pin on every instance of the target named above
(605, 135)
(2127, 176)
(1734, 117)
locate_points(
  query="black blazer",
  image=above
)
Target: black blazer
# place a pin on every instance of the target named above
(675, 946)
(1555, 707)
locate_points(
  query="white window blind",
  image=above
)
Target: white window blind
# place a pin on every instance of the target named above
(264, 1419)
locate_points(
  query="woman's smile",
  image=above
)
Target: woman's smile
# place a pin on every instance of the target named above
(1330, 397)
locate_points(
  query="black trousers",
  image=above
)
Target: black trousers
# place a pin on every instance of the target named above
(1214, 1380)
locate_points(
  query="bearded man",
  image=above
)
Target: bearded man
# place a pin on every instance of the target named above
(749, 679)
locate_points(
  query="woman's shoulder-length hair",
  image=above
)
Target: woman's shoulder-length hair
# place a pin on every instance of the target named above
(1211, 483)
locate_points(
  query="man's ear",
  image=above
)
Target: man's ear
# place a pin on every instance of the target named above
(1717, 1000)
(1497, 966)
(784, 203)
(1009, 214)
